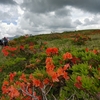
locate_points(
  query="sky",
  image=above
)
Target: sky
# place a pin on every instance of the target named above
(19, 17)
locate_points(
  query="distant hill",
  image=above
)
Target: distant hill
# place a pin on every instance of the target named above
(11, 38)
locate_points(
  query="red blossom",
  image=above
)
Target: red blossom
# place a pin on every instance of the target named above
(50, 67)
(86, 49)
(36, 82)
(95, 51)
(13, 92)
(51, 51)
(75, 60)
(23, 77)
(54, 77)
(22, 47)
(11, 76)
(66, 77)
(7, 50)
(67, 66)
(46, 81)
(49, 60)
(4, 89)
(67, 55)
(78, 82)
(60, 71)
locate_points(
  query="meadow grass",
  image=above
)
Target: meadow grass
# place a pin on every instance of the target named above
(2, 57)
(61, 43)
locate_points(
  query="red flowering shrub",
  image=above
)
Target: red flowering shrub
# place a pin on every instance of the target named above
(51, 51)
(50, 74)
(80, 39)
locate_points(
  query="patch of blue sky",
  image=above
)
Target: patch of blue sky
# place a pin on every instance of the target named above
(12, 20)
(8, 22)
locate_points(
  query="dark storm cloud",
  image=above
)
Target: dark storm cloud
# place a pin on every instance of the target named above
(63, 12)
(6, 2)
(42, 6)
(92, 6)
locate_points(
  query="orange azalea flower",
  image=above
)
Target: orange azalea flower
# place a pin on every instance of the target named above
(36, 82)
(50, 51)
(60, 71)
(54, 77)
(4, 89)
(78, 78)
(67, 56)
(21, 47)
(23, 77)
(17, 82)
(86, 49)
(46, 81)
(55, 50)
(31, 77)
(49, 60)
(13, 92)
(95, 51)
(6, 53)
(11, 76)
(6, 50)
(50, 67)
(78, 83)
(66, 67)
(5, 83)
(75, 60)
(50, 72)
(66, 77)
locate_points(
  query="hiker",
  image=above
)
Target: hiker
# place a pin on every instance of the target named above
(5, 41)
(1, 42)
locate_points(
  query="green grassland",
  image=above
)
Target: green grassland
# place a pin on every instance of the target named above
(63, 41)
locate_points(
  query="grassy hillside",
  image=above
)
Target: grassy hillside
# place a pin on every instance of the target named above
(28, 55)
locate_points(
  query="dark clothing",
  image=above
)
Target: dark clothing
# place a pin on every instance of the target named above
(5, 41)
(1, 42)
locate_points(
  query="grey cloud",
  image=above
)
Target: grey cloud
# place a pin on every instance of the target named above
(93, 21)
(9, 15)
(6, 2)
(63, 12)
(42, 6)
(37, 14)
(78, 22)
(48, 15)
(4, 15)
(92, 6)
(45, 22)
